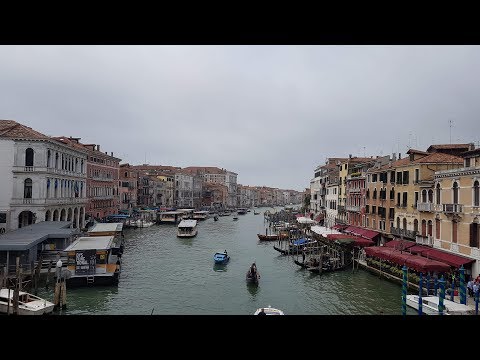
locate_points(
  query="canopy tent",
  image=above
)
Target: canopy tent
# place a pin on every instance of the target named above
(365, 233)
(400, 244)
(322, 230)
(357, 241)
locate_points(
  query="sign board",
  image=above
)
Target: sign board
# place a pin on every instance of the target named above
(85, 262)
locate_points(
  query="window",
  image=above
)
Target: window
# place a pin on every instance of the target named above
(416, 198)
(374, 178)
(417, 175)
(437, 195)
(474, 235)
(454, 231)
(437, 228)
(29, 157)
(48, 158)
(430, 227)
(374, 193)
(398, 199)
(476, 195)
(415, 225)
(424, 227)
(404, 199)
(27, 189)
(392, 176)
(430, 196)
(367, 209)
(368, 194)
(404, 224)
(405, 177)
(467, 162)
(455, 193)
(374, 209)
(391, 213)
(399, 177)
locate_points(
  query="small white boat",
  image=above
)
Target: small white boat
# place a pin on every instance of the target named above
(187, 228)
(430, 306)
(141, 223)
(269, 311)
(29, 304)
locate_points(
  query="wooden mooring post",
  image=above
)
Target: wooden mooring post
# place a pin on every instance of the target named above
(60, 294)
(16, 292)
(37, 275)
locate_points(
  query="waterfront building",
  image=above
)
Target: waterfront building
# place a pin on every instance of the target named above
(128, 179)
(102, 179)
(393, 193)
(183, 197)
(42, 179)
(456, 209)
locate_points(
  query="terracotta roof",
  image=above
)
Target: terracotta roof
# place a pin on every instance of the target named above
(413, 151)
(205, 169)
(439, 158)
(471, 153)
(14, 130)
(448, 146)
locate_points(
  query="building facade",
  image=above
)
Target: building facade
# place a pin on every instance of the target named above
(42, 179)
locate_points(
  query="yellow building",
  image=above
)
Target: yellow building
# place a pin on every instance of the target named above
(457, 210)
(394, 194)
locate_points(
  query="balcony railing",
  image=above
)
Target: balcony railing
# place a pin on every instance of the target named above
(50, 201)
(452, 208)
(424, 240)
(405, 233)
(425, 207)
(354, 190)
(353, 208)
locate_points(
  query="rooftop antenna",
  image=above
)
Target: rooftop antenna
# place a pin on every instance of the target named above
(450, 125)
(364, 154)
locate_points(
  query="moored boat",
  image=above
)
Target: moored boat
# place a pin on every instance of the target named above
(28, 304)
(430, 306)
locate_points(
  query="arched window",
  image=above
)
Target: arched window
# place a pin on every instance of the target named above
(29, 157)
(437, 228)
(476, 195)
(368, 191)
(437, 195)
(404, 224)
(430, 196)
(392, 194)
(374, 193)
(49, 155)
(56, 160)
(27, 189)
(455, 193)
(430, 226)
(81, 166)
(398, 223)
(424, 227)
(415, 225)
(454, 231)
(424, 196)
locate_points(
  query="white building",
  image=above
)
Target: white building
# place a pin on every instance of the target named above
(183, 197)
(41, 179)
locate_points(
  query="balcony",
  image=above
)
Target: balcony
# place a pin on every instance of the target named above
(322, 192)
(103, 197)
(354, 190)
(424, 240)
(452, 208)
(410, 234)
(341, 209)
(98, 178)
(425, 207)
(50, 201)
(354, 208)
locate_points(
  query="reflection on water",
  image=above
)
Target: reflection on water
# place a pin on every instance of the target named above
(219, 267)
(253, 289)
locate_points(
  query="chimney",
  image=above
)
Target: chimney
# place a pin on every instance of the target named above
(111, 153)
(98, 147)
(349, 156)
(399, 156)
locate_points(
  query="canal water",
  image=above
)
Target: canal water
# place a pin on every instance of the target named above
(166, 275)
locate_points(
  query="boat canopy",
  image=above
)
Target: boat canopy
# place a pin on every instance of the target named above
(187, 224)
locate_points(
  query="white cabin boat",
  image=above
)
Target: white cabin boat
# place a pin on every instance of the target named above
(142, 223)
(187, 228)
(29, 304)
(170, 217)
(430, 306)
(269, 311)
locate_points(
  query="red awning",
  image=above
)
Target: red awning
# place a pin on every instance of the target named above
(319, 217)
(370, 234)
(448, 258)
(365, 233)
(339, 227)
(418, 249)
(421, 264)
(400, 244)
(358, 241)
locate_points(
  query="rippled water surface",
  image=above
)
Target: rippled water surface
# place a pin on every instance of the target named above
(163, 274)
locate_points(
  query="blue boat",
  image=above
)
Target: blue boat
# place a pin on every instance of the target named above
(221, 258)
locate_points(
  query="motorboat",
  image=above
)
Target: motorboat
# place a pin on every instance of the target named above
(187, 228)
(221, 258)
(29, 304)
(430, 306)
(269, 311)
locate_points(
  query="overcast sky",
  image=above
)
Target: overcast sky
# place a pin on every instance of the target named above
(269, 113)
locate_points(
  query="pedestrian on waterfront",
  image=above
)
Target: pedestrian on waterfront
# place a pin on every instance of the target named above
(303, 253)
(262, 312)
(475, 288)
(470, 287)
